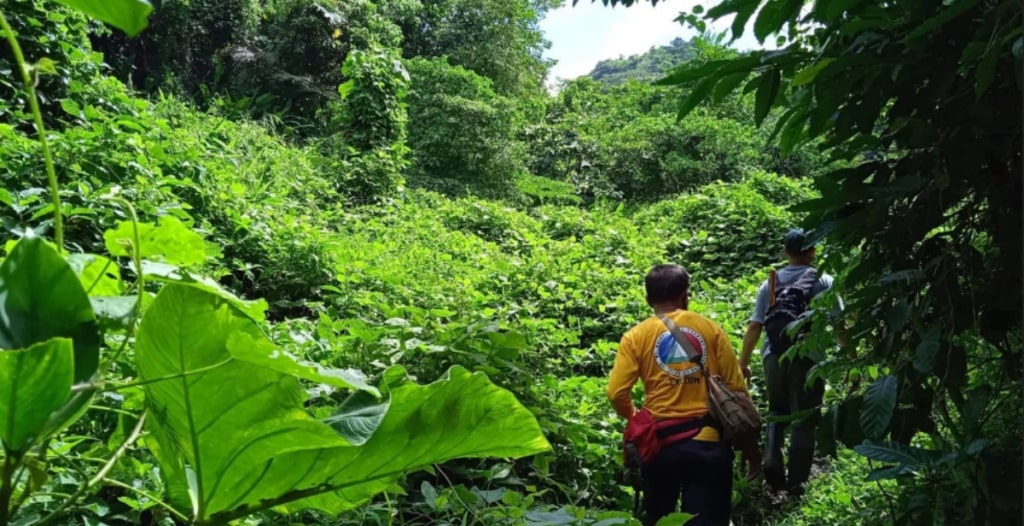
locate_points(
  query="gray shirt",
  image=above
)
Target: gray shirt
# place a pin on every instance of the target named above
(785, 276)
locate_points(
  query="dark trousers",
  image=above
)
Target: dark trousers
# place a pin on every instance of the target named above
(698, 471)
(788, 395)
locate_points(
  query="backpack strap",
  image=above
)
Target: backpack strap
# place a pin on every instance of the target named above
(773, 278)
(683, 341)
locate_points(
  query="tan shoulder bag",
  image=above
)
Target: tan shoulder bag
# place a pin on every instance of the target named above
(734, 411)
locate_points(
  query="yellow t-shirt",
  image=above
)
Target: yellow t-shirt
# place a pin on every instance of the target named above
(673, 385)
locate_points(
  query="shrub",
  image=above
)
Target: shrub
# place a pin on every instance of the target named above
(460, 131)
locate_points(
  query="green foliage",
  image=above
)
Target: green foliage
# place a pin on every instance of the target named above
(907, 96)
(460, 131)
(369, 123)
(496, 39)
(739, 233)
(54, 43)
(130, 16)
(645, 67)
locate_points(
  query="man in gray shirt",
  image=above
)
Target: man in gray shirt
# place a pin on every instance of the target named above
(785, 381)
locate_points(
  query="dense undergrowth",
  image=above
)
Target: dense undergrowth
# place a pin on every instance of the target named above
(437, 214)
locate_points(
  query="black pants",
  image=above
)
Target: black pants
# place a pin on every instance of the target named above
(698, 471)
(787, 395)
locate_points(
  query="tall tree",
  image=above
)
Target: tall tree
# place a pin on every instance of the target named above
(499, 39)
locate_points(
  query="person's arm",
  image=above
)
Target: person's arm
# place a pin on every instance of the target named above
(754, 328)
(624, 375)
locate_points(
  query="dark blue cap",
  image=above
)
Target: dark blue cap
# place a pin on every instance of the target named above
(795, 241)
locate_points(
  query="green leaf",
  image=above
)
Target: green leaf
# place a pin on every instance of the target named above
(715, 68)
(99, 275)
(130, 16)
(263, 352)
(358, 417)
(114, 312)
(893, 453)
(171, 240)
(945, 16)
(699, 93)
(879, 403)
(40, 299)
(773, 16)
(675, 519)
(242, 431)
(927, 351)
(45, 66)
(172, 274)
(767, 91)
(807, 74)
(34, 383)
(727, 85)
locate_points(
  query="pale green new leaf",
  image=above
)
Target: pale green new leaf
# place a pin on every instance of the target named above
(170, 240)
(34, 383)
(242, 430)
(99, 275)
(130, 16)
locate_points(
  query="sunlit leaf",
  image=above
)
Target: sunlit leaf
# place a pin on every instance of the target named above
(100, 276)
(130, 16)
(263, 352)
(169, 239)
(242, 430)
(34, 383)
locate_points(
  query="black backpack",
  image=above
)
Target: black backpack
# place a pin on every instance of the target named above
(787, 304)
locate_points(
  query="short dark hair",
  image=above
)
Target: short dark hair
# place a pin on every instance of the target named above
(666, 283)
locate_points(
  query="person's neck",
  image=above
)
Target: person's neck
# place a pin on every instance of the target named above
(666, 308)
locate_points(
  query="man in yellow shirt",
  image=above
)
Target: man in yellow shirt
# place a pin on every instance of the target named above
(699, 468)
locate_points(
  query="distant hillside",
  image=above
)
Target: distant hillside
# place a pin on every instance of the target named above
(646, 67)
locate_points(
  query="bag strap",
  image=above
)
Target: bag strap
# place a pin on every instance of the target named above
(773, 278)
(683, 341)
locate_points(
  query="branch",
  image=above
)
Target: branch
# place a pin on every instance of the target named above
(136, 433)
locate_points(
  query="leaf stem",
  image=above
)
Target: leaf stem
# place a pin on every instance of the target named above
(26, 78)
(11, 461)
(170, 509)
(99, 477)
(105, 386)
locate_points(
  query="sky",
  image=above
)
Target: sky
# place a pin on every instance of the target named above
(583, 35)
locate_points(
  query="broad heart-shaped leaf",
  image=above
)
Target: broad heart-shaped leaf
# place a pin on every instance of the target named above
(40, 299)
(879, 403)
(34, 383)
(130, 16)
(263, 352)
(461, 415)
(172, 274)
(170, 239)
(241, 430)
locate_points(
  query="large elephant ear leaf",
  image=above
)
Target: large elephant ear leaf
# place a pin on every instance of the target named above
(462, 415)
(225, 422)
(234, 430)
(41, 298)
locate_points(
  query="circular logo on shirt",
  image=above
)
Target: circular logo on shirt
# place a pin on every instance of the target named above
(668, 352)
